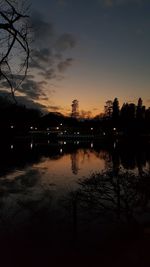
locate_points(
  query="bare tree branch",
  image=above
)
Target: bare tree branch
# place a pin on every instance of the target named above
(14, 36)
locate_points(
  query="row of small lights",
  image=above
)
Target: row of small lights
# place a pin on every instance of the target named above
(64, 143)
(57, 128)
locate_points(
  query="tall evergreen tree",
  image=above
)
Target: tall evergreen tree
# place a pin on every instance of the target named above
(116, 110)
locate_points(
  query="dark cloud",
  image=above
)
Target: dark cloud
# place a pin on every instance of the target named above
(23, 100)
(35, 64)
(48, 74)
(65, 41)
(42, 54)
(43, 30)
(31, 104)
(111, 3)
(32, 89)
(55, 108)
(47, 60)
(63, 65)
(48, 51)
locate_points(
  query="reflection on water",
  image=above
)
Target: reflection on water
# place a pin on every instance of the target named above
(48, 192)
(80, 157)
(75, 162)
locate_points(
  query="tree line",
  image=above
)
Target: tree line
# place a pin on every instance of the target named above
(130, 118)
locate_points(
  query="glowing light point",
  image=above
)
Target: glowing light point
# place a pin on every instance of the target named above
(31, 145)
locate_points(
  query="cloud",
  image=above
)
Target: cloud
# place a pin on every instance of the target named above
(30, 88)
(42, 55)
(23, 100)
(48, 50)
(112, 3)
(63, 65)
(43, 30)
(33, 89)
(48, 60)
(65, 41)
(55, 108)
(48, 74)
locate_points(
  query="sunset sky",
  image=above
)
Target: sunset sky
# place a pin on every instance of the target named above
(90, 50)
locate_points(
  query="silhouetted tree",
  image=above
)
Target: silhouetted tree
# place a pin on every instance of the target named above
(108, 109)
(116, 111)
(14, 41)
(111, 196)
(131, 111)
(140, 112)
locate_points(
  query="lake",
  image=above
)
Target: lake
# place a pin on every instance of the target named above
(54, 202)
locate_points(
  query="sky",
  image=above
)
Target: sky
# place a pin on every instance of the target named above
(89, 50)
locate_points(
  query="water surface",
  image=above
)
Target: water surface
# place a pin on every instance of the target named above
(43, 205)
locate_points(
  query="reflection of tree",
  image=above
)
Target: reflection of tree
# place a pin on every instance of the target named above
(106, 156)
(109, 196)
(75, 162)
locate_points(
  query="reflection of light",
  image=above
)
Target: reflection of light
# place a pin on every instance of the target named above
(47, 129)
(65, 131)
(114, 144)
(78, 142)
(91, 145)
(114, 129)
(91, 129)
(35, 128)
(65, 143)
(78, 133)
(60, 124)
(48, 141)
(104, 133)
(12, 146)
(61, 150)
(12, 127)
(31, 127)
(48, 134)
(57, 128)
(31, 145)
(61, 133)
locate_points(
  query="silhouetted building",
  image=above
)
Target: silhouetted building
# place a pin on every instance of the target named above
(75, 109)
